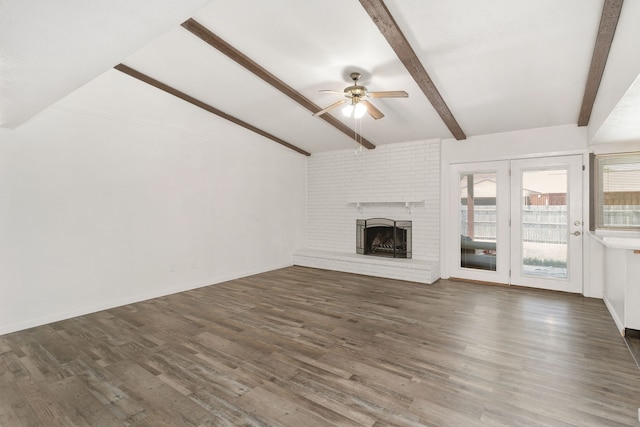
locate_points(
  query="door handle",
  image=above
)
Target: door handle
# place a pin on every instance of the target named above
(576, 233)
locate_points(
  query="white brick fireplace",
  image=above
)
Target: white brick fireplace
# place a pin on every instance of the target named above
(396, 181)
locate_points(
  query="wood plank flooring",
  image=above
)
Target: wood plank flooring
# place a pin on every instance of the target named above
(632, 339)
(304, 347)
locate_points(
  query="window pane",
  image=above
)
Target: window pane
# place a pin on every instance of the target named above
(478, 221)
(544, 223)
(619, 191)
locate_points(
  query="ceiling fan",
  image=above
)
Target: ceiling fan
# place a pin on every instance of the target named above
(358, 106)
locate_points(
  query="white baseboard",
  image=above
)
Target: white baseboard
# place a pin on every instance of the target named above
(105, 305)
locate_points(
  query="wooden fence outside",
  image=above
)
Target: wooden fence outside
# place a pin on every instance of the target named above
(546, 224)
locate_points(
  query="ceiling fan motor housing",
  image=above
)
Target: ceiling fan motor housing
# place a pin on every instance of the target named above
(355, 91)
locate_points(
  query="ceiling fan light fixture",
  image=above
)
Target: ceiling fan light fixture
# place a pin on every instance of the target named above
(348, 110)
(359, 110)
(356, 109)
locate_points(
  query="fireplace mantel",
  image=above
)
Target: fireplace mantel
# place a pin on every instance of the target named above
(408, 204)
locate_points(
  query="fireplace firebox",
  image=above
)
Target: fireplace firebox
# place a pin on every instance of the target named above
(383, 237)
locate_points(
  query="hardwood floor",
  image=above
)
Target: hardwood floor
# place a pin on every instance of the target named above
(632, 339)
(304, 347)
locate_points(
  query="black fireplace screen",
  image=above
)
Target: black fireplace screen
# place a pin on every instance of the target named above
(383, 237)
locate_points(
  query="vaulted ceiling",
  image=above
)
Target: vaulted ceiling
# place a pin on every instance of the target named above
(470, 67)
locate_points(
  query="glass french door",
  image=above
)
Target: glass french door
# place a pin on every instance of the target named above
(519, 222)
(481, 239)
(547, 232)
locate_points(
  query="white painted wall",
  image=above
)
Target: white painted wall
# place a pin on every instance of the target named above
(530, 143)
(594, 274)
(97, 212)
(403, 172)
(549, 141)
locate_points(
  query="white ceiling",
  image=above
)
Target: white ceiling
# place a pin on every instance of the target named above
(500, 65)
(50, 48)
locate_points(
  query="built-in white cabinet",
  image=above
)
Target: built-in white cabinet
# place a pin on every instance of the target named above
(621, 274)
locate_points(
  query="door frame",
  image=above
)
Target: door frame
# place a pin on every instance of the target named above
(451, 219)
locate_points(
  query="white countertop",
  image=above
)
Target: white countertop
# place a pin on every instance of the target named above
(618, 239)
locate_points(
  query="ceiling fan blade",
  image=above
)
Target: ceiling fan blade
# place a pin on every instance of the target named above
(372, 110)
(331, 91)
(330, 107)
(388, 94)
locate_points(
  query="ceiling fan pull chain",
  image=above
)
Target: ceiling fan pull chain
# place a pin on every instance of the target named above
(357, 131)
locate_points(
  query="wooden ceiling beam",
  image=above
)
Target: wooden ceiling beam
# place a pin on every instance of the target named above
(381, 16)
(606, 31)
(218, 43)
(175, 92)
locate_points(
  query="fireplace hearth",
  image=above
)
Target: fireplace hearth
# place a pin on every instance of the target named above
(383, 237)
